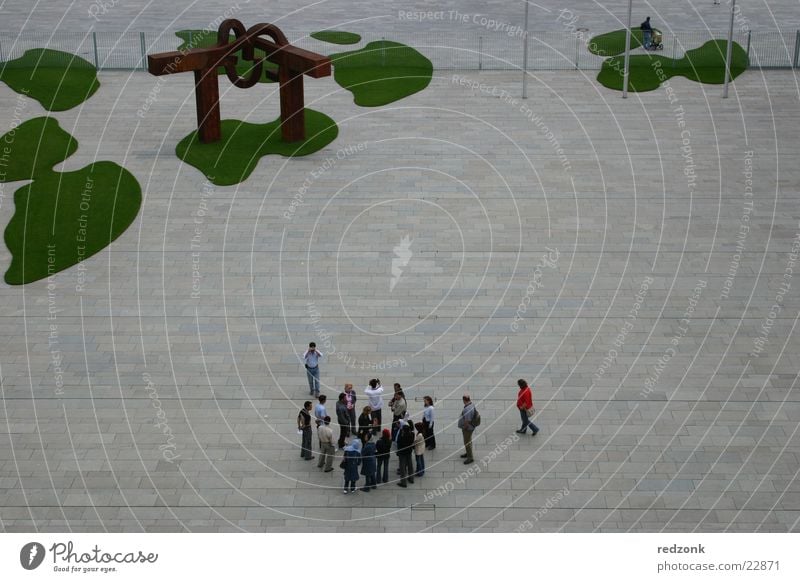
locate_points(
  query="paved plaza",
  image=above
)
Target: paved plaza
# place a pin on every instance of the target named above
(635, 260)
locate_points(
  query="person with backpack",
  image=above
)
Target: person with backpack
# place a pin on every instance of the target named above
(467, 422)
(383, 449)
(368, 463)
(405, 448)
(525, 406)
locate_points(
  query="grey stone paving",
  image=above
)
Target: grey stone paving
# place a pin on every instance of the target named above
(681, 428)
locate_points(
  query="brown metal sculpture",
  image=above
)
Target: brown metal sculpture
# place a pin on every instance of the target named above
(292, 64)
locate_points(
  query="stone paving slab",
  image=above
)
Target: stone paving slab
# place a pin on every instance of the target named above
(680, 428)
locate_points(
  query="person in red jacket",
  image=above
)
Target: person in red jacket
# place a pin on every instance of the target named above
(525, 406)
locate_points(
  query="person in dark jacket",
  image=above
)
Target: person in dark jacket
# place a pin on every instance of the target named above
(304, 426)
(343, 418)
(384, 450)
(368, 463)
(647, 33)
(405, 448)
(365, 422)
(352, 459)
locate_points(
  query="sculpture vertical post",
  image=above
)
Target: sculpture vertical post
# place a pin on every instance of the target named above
(207, 100)
(293, 118)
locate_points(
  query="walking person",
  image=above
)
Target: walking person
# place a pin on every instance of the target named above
(467, 424)
(405, 448)
(350, 398)
(311, 358)
(343, 418)
(304, 427)
(647, 33)
(419, 450)
(326, 449)
(375, 396)
(525, 406)
(383, 450)
(319, 410)
(368, 463)
(428, 417)
(352, 459)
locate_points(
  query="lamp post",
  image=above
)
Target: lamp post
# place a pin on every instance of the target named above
(627, 72)
(729, 54)
(525, 56)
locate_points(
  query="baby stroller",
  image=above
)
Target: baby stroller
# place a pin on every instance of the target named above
(655, 43)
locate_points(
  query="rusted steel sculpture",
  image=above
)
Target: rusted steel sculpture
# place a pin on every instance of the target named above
(292, 63)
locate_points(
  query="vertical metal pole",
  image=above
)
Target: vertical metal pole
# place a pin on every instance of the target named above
(94, 43)
(525, 56)
(144, 51)
(1, 52)
(480, 53)
(749, 35)
(191, 40)
(674, 49)
(796, 62)
(627, 72)
(577, 50)
(728, 55)
(383, 52)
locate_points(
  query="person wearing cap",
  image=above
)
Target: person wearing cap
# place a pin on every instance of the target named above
(311, 358)
(383, 452)
(465, 424)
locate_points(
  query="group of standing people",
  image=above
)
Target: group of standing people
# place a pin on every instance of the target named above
(367, 446)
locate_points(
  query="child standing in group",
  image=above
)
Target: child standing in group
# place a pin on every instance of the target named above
(352, 459)
(368, 466)
(419, 450)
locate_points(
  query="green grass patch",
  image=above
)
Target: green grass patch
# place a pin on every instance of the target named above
(205, 39)
(382, 72)
(612, 43)
(61, 218)
(57, 80)
(232, 159)
(705, 64)
(337, 36)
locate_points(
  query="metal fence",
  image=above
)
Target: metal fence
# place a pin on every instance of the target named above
(546, 50)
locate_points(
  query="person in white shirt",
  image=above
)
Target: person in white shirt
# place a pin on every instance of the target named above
(375, 396)
(428, 416)
(311, 358)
